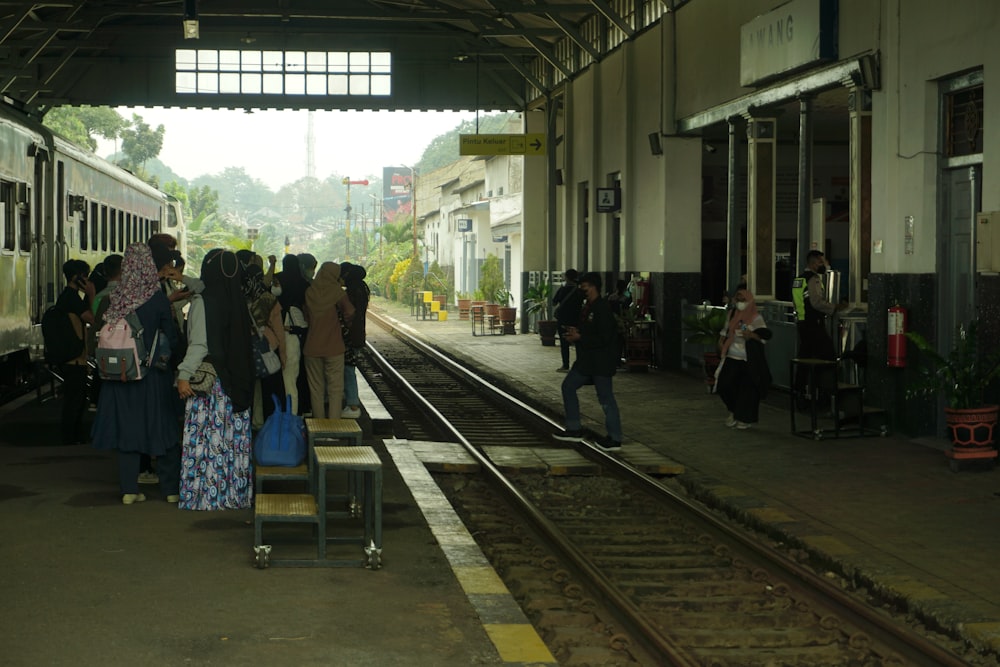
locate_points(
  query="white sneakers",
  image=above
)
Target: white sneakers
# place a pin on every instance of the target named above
(130, 498)
(350, 412)
(148, 478)
(732, 422)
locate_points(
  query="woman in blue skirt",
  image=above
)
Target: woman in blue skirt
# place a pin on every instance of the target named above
(216, 460)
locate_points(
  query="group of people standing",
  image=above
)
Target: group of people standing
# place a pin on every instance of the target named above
(587, 322)
(201, 440)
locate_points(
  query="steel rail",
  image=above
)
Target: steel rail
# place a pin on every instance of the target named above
(918, 649)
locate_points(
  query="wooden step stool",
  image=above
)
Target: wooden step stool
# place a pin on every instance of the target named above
(299, 473)
(364, 470)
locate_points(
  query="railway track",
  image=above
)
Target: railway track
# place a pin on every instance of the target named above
(617, 569)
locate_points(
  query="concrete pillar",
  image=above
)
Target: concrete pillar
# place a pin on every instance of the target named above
(859, 105)
(761, 205)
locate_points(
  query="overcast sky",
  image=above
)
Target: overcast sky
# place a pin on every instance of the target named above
(271, 145)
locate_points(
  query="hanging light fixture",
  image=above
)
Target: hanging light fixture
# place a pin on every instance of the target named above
(190, 19)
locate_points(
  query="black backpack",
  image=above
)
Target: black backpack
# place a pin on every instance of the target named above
(62, 344)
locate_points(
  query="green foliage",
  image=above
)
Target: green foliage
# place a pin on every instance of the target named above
(443, 149)
(490, 279)
(439, 280)
(962, 376)
(80, 124)
(703, 329)
(503, 296)
(141, 143)
(538, 300)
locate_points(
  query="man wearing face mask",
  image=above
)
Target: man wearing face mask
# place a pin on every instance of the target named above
(812, 308)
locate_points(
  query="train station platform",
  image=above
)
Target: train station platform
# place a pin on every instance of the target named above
(90, 581)
(886, 511)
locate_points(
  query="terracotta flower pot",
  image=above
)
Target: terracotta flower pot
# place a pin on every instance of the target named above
(547, 330)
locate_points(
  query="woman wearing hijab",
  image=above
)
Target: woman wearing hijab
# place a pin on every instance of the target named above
(326, 305)
(138, 417)
(266, 314)
(216, 467)
(354, 335)
(291, 292)
(743, 377)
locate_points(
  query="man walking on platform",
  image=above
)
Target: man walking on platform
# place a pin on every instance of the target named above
(568, 300)
(596, 340)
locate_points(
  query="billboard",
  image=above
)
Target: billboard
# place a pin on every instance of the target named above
(397, 194)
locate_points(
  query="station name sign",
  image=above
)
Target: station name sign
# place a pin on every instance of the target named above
(789, 38)
(501, 144)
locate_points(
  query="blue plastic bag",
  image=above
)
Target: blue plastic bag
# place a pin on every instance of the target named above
(281, 441)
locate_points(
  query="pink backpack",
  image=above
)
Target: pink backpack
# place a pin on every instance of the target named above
(121, 354)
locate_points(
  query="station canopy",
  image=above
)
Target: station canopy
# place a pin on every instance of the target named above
(304, 54)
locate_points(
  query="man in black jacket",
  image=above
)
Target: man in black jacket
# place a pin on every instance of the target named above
(568, 300)
(597, 346)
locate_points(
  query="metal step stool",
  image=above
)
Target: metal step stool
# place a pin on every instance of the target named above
(299, 473)
(285, 508)
(364, 471)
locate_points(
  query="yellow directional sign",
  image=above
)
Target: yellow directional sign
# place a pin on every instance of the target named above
(501, 144)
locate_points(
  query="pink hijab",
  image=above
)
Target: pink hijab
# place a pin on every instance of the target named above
(746, 316)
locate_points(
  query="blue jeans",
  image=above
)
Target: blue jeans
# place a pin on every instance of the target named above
(605, 395)
(351, 397)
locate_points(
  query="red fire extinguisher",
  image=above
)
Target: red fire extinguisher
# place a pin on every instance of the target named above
(897, 337)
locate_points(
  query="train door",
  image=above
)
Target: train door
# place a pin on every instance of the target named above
(63, 211)
(39, 243)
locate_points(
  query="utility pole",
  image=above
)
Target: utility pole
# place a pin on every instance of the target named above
(347, 211)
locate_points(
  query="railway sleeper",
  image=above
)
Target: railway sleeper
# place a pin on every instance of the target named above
(726, 635)
(656, 562)
(805, 655)
(731, 604)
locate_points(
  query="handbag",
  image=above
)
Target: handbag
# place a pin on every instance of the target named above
(204, 379)
(281, 441)
(266, 361)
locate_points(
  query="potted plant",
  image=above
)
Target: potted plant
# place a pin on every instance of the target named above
(464, 303)
(538, 302)
(703, 329)
(506, 312)
(961, 378)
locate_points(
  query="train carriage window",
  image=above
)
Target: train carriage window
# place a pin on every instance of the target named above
(113, 230)
(128, 234)
(94, 212)
(24, 218)
(7, 210)
(121, 230)
(104, 227)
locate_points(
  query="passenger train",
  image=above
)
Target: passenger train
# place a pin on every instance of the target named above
(60, 202)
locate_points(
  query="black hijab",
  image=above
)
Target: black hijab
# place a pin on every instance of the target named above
(227, 324)
(293, 283)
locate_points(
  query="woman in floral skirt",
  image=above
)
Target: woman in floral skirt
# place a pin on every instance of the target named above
(216, 462)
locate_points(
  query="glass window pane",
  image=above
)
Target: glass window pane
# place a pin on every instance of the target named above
(273, 61)
(104, 227)
(336, 61)
(381, 62)
(229, 61)
(359, 84)
(316, 61)
(273, 84)
(185, 58)
(381, 85)
(229, 82)
(251, 61)
(316, 84)
(184, 82)
(295, 61)
(250, 83)
(208, 60)
(208, 82)
(359, 61)
(295, 84)
(336, 84)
